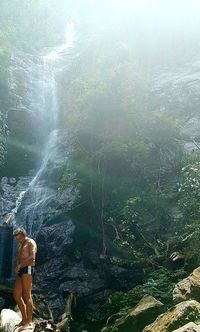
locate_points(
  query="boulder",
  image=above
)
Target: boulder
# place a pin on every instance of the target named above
(190, 327)
(144, 313)
(188, 288)
(9, 319)
(175, 317)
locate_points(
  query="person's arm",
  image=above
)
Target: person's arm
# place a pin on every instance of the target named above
(30, 260)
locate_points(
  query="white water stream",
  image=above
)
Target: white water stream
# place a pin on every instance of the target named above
(43, 105)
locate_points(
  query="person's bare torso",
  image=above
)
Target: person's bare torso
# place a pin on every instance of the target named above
(24, 250)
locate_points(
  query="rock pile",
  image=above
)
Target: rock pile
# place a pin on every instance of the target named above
(150, 315)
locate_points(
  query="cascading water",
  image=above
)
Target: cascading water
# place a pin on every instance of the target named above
(34, 199)
(37, 202)
(40, 192)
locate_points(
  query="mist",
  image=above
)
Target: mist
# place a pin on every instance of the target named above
(100, 162)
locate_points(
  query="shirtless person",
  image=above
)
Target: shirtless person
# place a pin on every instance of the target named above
(25, 270)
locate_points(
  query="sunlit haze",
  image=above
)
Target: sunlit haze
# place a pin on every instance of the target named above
(100, 164)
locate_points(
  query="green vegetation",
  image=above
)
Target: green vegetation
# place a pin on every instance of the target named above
(134, 177)
(26, 27)
(32, 25)
(127, 157)
(159, 284)
(137, 189)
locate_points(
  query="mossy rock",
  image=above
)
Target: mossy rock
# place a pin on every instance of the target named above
(176, 317)
(137, 318)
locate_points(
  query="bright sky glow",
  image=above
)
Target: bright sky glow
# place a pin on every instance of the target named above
(164, 15)
(157, 7)
(152, 4)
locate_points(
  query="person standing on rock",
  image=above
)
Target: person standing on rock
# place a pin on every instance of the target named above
(24, 269)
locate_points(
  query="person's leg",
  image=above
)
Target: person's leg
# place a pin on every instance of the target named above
(17, 294)
(26, 293)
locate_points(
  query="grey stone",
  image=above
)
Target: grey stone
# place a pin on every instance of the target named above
(188, 288)
(137, 318)
(4, 180)
(12, 180)
(175, 317)
(190, 327)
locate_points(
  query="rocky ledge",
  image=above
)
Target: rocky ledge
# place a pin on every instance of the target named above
(149, 315)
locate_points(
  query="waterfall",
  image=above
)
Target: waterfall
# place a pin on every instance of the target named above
(36, 202)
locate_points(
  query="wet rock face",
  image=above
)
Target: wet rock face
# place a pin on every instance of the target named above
(44, 202)
(175, 317)
(176, 90)
(60, 277)
(178, 86)
(6, 250)
(53, 241)
(10, 190)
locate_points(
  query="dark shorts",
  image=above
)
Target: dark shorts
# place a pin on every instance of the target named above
(26, 270)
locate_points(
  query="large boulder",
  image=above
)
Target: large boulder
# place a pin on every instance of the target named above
(175, 317)
(9, 319)
(144, 313)
(190, 327)
(188, 288)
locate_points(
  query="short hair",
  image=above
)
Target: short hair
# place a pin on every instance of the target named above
(19, 230)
